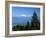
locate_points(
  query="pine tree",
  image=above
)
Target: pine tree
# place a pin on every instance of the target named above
(35, 23)
(27, 26)
(27, 23)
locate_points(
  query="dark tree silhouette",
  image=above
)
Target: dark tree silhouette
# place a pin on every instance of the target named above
(18, 27)
(35, 24)
(27, 26)
(14, 28)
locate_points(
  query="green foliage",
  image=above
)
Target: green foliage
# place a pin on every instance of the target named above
(27, 26)
(14, 28)
(35, 24)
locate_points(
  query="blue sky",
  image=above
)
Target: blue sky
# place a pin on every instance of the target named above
(23, 14)
(24, 11)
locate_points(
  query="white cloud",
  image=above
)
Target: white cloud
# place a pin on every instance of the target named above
(23, 15)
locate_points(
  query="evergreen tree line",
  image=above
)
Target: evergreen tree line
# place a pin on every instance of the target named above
(35, 24)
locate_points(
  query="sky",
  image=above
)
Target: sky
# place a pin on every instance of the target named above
(23, 14)
(24, 11)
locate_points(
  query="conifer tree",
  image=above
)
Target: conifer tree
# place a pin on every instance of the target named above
(35, 23)
(27, 26)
